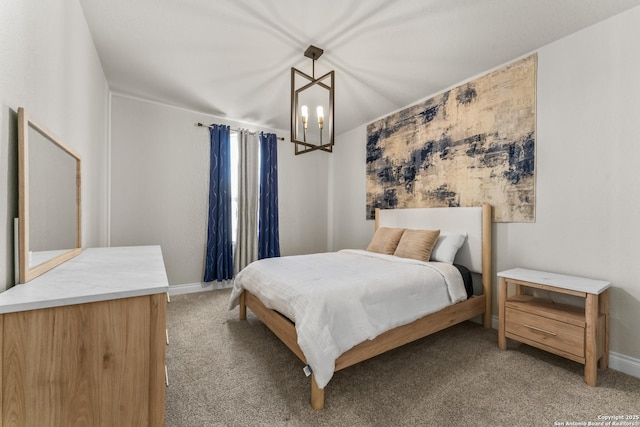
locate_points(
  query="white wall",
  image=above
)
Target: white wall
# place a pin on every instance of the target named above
(588, 143)
(160, 182)
(348, 227)
(303, 195)
(49, 66)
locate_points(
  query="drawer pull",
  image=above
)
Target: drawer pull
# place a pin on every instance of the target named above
(540, 330)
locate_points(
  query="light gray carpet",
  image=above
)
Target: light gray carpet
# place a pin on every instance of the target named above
(227, 372)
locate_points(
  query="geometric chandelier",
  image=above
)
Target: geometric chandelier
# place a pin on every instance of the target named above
(312, 107)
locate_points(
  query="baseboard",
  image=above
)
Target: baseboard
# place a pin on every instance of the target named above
(189, 288)
(624, 364)
(619, 362)
(494, 322)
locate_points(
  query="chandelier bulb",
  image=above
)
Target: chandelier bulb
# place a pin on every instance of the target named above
(320, 116)
(305, 115)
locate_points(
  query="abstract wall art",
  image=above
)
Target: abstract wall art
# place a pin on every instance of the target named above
(470, 145)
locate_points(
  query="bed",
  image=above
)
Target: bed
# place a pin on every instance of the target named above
(297, 318)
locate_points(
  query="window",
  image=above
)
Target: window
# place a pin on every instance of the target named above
(235, 161)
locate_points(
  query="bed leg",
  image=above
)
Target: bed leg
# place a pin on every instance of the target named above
(243, 306)
(317, 395)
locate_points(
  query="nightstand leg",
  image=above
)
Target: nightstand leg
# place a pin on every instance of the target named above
(591, 345)
(502, 299)
(603, 309)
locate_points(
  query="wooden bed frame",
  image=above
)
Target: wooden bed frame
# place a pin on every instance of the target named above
(477, 305)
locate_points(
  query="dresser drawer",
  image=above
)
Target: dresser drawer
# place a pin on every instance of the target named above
(552, 333)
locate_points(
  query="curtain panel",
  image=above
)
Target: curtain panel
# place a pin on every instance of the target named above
(268, 228)
(219, 252)
(246, 250)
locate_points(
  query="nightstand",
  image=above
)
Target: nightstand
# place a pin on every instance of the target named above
(579, 334)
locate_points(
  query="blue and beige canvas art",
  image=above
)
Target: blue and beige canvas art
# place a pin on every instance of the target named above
(470, 145)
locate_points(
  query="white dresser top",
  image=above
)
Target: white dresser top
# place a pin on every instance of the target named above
(573, 283)
(96, 274)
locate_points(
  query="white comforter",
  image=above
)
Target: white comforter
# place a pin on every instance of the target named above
(340, 299)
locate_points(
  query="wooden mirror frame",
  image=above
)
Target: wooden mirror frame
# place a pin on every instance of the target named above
(27, 273)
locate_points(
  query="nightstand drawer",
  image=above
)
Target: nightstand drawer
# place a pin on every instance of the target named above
(552, 333)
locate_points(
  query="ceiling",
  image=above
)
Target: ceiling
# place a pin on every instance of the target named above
(232, 58)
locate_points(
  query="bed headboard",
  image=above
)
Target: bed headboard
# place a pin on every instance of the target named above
(469, 220)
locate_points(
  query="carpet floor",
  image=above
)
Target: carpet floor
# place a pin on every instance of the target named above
(228, 372)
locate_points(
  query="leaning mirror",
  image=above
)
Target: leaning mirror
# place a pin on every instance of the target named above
(49, 224)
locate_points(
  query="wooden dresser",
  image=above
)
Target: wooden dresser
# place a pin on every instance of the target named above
(577, 333)
(84, 344)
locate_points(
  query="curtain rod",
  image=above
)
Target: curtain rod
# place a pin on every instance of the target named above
(235, 130)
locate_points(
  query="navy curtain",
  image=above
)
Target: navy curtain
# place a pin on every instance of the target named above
(219, 255)
(268, 229)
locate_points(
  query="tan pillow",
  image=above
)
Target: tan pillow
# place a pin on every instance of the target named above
(385, 240)
(417, 244)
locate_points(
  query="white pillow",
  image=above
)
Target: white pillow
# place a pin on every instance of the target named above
(447, 246)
